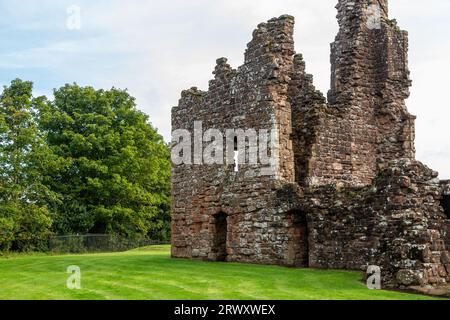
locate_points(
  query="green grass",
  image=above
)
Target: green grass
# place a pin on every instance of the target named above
(152, 274)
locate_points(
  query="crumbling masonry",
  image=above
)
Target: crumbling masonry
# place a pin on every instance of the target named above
(347, 191)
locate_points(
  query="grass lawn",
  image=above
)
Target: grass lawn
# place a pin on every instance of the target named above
(151, 274)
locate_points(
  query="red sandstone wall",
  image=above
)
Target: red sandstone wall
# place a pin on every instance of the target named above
(398, 225)
(253, 97)
(366, 123)
(356, 207)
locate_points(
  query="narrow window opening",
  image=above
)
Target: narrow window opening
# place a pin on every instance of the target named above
(236, 155)
(445, 203)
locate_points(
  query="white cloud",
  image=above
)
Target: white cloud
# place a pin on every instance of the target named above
(158, 48)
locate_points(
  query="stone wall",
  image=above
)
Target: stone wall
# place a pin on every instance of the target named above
(397, 224)
(309, 111)
(366, 123)
(346, 191)
(253, 97)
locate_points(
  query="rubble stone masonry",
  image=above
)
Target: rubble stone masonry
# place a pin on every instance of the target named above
(346, 191)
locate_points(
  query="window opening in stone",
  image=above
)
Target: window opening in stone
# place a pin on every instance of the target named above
(445, 203)
(236, 155)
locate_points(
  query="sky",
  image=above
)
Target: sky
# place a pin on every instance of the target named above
(156, 49)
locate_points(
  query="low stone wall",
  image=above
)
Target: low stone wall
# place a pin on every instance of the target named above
(398, 225)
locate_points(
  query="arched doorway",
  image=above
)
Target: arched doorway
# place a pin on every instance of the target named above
(220, 233)
(298, 244)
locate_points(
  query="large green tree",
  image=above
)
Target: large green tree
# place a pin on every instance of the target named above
(116, 172)
(25, 221)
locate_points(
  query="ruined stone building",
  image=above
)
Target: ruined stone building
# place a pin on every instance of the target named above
(347, 191)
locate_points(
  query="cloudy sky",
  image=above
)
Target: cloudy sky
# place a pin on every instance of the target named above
(158, 48)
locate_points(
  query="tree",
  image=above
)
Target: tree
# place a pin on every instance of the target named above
(25, 222)
(116, 167)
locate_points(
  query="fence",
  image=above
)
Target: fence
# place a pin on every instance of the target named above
(95, 243)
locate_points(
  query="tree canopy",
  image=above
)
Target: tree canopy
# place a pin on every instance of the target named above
(24, 157)
(86, 162)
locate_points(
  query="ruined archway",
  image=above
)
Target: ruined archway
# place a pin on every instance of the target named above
(298, 245)
(220, 234)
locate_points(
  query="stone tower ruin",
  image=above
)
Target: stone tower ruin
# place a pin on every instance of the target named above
(345, 191)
